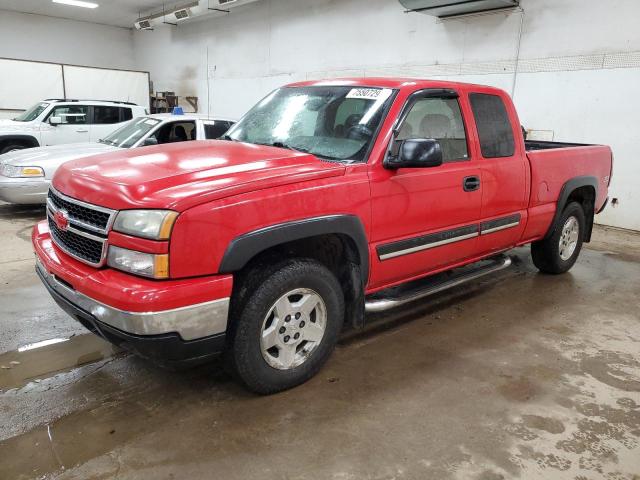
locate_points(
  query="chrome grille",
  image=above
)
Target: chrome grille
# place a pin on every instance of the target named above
(89, 216)
(78, 246)
(85, 237)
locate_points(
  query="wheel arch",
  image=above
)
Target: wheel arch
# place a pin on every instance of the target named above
(338, 241)
(584, 190)
(28, 140)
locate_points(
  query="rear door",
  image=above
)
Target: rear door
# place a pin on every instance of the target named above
(503, 169)
(427, 218)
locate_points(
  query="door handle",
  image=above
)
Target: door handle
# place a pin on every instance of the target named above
(469, 184)
(82, 130)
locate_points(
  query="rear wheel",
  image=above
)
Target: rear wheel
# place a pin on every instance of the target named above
(287, 327)
(557, 253)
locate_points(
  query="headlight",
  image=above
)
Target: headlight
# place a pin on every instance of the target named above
(20, 172)
(153, 224)
(139, 263)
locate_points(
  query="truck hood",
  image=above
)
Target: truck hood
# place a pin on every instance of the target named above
(182, 175)
(50, 158)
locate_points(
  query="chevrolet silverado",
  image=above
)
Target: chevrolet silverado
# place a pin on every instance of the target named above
(320, 202)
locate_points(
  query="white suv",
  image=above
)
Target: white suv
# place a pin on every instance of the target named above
(55, 121)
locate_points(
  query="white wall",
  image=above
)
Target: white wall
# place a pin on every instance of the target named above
(48, 39)
(577, 62)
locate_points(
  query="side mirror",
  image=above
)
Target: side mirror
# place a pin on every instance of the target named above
(416, 153)
(150, 141)
(55, 121)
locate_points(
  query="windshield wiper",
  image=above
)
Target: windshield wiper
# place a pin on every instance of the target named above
(106, 142)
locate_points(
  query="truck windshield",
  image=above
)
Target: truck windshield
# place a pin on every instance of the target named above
(331, 122)
(127, 135)
(33, 113)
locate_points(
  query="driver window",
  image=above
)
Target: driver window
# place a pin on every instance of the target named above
(440, 119)
(71, 114)
(176, 132)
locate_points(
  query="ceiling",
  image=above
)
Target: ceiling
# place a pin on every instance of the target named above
(121, 13)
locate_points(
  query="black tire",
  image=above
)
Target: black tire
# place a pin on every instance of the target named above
(10, 147)
(254, 300)
(546, 253)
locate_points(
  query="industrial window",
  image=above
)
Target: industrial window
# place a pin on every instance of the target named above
(440, 119)
(494, 128)
(215, 129)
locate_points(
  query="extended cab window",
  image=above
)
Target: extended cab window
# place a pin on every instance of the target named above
(494, 128)
(71, 114)
(440, 119)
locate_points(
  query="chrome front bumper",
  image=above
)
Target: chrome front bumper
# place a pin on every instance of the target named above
(26, 191)
(191, 322)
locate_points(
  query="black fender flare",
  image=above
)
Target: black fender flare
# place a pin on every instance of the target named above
(566, 190)
(30, 139)
(248, 245)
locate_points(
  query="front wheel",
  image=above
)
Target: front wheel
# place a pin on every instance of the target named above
(557, 253)
(287, 325)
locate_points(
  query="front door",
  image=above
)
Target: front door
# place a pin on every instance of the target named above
(73, 129)
(424, 219)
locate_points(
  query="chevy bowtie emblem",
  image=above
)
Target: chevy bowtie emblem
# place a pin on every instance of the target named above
(61, 217)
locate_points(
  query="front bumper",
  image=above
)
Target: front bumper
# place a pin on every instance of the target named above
(26, 191)
(146, 315)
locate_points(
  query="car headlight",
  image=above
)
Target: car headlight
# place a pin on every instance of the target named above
(14, 171)
(153, 224)
(138, 263)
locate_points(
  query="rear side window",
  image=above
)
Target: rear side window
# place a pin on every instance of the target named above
(215, 130)
(494, 128)
(103, 115)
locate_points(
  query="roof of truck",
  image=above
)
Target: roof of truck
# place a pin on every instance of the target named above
(385, 82)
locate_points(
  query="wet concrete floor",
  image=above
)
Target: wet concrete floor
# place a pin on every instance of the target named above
(519, 375)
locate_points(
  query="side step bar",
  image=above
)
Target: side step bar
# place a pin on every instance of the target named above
(379, 304)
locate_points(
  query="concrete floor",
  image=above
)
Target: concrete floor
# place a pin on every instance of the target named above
(520, 375)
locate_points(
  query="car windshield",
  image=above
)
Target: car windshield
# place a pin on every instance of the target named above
(331, 122)
(127, 135)
(33, 113)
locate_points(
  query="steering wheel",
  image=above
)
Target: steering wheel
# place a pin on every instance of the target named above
(359, 132)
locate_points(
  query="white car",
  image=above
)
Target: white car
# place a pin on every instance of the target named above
(55, 121)
(25, 175)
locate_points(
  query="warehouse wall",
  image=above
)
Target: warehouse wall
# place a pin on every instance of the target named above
(577, 62)
(48, 39)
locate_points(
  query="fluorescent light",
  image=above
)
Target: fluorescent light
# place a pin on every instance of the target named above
(77, 3)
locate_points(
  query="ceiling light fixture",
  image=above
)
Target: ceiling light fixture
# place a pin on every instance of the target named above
(77, 3)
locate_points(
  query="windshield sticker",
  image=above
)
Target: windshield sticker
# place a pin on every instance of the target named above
(150, 121)
(369, 93)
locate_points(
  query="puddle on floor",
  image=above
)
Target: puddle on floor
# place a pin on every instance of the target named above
(43, 359)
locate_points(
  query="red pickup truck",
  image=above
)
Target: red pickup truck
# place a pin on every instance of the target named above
(312, 211)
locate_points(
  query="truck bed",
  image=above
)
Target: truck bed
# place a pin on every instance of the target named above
(531, 145)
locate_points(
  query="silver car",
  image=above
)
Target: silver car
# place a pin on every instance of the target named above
(25, 175)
